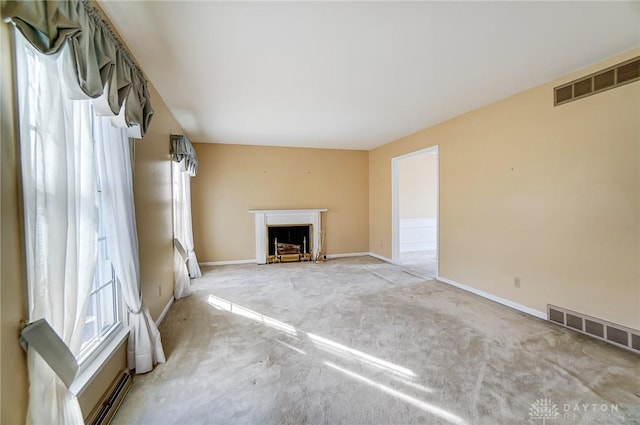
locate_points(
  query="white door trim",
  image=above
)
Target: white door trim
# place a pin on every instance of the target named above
(395, 202)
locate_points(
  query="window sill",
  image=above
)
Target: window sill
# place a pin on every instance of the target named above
(93, 367)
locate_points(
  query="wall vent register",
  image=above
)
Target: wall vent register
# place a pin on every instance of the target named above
(111, 400)
(615, 76)
(601, 329)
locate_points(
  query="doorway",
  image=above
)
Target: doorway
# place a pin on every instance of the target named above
(415, 186)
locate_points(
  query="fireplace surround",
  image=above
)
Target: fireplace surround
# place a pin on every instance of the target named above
(302, 217)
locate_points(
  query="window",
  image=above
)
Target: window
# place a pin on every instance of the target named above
(64, 149)
(178, 177)
(56, 161)
(103, 306)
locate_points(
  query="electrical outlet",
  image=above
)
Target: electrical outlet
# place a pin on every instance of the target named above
(516, 282)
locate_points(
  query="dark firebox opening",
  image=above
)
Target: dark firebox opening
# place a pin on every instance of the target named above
(290, 235)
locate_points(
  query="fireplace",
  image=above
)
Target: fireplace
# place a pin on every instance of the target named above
(288, 243)
(299, 234)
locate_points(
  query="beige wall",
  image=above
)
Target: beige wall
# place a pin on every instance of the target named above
(13, 373)
(547, 194)
(418, 182)
(232, 179)
(113, 369)
(153, 202)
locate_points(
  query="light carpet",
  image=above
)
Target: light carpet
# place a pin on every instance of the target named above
(360, 341)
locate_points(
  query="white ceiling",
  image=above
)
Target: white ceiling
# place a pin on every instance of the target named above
(356, 74)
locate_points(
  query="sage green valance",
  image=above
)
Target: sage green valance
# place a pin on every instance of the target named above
(182, 151)
(99, 61)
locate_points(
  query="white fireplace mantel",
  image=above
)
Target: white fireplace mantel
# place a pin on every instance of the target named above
(265, 218)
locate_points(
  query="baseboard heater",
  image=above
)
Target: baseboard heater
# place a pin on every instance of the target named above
(110, 402)
(612, 333)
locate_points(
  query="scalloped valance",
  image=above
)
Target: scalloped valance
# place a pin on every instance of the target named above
(182, 151)
(101, 64)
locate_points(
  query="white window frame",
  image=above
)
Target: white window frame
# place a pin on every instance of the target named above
(104, 345)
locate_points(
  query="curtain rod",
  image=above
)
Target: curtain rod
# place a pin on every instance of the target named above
(95, 14)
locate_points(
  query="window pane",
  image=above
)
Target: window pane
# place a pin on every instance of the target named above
(90, 325)
(106, 304)
(102, 312)
(106, 271)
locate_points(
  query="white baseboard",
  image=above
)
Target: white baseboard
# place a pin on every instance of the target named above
(499, 300)
(165, 311)
(348, 254)
(380, 257)
(227, 263)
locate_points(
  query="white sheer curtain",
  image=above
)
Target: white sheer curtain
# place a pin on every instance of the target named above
(61, 221)
(182, 282)
(116, 177)
(194, 268)
(186, 263)
(181, 279)
(59, 182)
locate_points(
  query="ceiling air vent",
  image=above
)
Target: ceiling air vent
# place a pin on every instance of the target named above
(605, 79)
(583, 87)
(629, 72)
